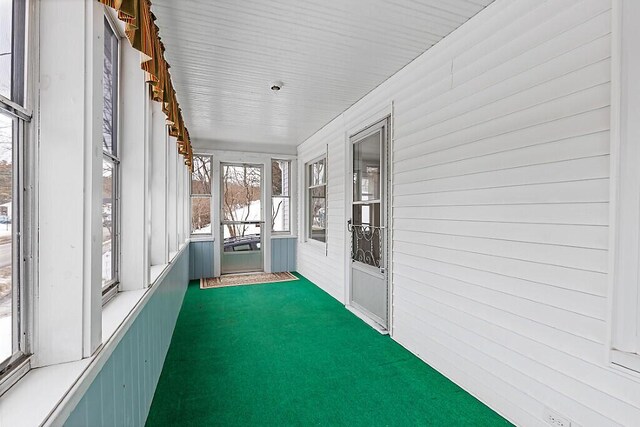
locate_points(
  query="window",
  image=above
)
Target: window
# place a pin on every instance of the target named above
(12, 42)
(110, 162)
(201, 195)
(317, 199)
(13, 122)
(280, 196)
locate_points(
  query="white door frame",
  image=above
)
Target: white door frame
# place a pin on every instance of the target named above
(382, 114)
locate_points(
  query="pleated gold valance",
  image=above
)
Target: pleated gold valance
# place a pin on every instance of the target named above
(143, 34)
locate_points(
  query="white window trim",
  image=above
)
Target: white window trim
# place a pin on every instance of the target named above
(289, 233)
(623, 349)
(112, 288)
(307, 201)
(201, 236)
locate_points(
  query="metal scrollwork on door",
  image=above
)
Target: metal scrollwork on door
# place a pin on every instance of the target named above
(366, 241)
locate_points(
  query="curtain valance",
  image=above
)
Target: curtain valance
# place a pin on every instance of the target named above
(143, 35)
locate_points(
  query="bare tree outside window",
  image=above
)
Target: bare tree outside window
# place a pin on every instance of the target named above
(241, 198)
(110, 160)
(280, 196)
(317, 200)
(6, 48)
(6, 236)
(201, 195)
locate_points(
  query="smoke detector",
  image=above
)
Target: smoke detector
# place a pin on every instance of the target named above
(276, 86)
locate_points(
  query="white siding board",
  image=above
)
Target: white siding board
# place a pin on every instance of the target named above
(581, 236)
(567, 278)
(541, 383)
(500, 210)
(563, 256)
(577, 302)
(557, 364)
(595, 144)
(585, 349)
(554, 213)
(426, 97)
(561, 319)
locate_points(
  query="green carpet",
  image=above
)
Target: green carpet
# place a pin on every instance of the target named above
(288, 354)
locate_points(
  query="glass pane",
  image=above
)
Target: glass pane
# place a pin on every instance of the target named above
(249, 242)
(280, 214)
(317, 213)
(6, 238)
(109, 90)
(242, 254)
(280, 177)
(366, 168)
(108, 226)
(201, 175)
(241, 198)
(200, 215)
(6, 48)
(366, 234)
(317, 173)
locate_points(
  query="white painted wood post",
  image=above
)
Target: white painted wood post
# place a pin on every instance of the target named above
(68, 313)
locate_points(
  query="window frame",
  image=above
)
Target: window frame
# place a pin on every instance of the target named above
(16, 365)
(623, 318)
(287, 196)
(111, 288)
(308, 188)
(201, 196)
(19, 362)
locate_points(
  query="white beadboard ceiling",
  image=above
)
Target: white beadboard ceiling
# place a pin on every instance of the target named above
(224, 55)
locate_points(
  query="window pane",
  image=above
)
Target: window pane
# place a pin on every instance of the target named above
(110, 90)
(280, 177)
(7, 293)
(200, 215)
(317, 213)
(317, 173)
(366, 168)
(6, 48)
(280, 214)
(201, 175)
(241, 197)
(280, 209)
(108, 217)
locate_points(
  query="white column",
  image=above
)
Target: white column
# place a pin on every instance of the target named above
(133, 166)
(159, 249)
(171, 195)
(180, 200)
(68, 316)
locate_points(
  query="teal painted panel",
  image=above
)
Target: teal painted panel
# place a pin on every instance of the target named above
(121, 394)
(283, 254)
(200, 260)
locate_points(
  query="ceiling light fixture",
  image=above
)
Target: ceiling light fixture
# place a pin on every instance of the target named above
(276, 86)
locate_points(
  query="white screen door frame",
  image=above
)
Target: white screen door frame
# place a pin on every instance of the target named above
(368, 213)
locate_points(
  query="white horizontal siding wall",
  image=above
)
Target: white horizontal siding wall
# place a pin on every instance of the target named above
(500, 209)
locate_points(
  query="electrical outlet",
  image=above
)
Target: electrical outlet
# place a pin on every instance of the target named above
(555, 419)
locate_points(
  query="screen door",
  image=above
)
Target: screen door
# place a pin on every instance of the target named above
(242, 218)
(368, 224)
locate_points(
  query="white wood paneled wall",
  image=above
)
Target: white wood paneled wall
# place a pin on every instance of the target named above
(500, 210)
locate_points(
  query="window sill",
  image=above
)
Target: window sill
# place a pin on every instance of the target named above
(321, 246)
(626, 362)
(202, 238)
(155, 271)
(284, 236)
(47, 395)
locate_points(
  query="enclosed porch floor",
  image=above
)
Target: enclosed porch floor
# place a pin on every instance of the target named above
(289, 354)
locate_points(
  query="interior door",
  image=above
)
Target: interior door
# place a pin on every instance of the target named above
(242, 218)
(369, 291)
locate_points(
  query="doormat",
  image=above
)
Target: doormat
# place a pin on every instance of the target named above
(245, 279)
